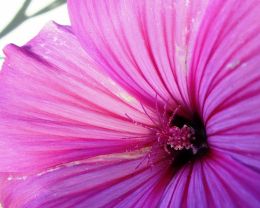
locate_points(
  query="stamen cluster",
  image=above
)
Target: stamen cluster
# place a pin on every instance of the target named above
(180, 138)
(175, 138)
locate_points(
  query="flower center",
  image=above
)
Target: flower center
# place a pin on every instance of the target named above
(180, 138)
(185, 140)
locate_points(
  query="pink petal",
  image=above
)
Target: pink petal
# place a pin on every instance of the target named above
(232, 182)
(55, 107)
(225, 78)
(108, 181)
(77, 116)
(218, 181)
(175, 195)
(224, 54)
(141, 44)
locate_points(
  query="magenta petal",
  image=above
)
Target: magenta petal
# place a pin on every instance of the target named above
(105, 181)
(55, 107)
(218, 181)
(67, 137)
(225, 78)
(225, 53)
(234, 183)
(225, 65)
(141, 44)
(188, 188)
(175, 194)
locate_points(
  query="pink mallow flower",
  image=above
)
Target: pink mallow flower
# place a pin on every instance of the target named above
(146, 103)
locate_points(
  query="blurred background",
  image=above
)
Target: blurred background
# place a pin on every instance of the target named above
(21, 20)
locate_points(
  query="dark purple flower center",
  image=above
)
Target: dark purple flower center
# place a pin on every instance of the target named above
(187, 140)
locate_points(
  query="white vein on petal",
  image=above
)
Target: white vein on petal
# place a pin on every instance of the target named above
(102, 158)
